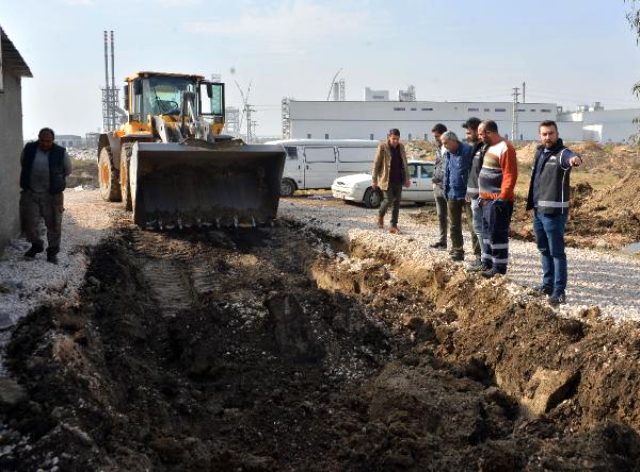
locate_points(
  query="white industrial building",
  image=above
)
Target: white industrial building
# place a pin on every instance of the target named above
(372, 119)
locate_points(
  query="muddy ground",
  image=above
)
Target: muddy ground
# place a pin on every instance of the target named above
(281, 349)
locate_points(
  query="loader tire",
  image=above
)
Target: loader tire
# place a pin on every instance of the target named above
(125, 188)
(108, 176)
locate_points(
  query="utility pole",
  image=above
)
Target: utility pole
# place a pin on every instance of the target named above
(524, 85)
(514, 122)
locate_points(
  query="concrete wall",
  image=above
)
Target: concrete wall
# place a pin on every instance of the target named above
(10, 148)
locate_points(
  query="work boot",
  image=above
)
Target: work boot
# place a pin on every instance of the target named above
(488, 274)
(31, 253)
(380, 222)
(555, 300)
(456, 257)
(543, 290)
(52, 255)
(394, 230)
(438, 245)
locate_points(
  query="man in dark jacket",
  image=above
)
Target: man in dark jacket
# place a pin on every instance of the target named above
(457, 157)
(438, 193)
(549, 199)
(45, 166)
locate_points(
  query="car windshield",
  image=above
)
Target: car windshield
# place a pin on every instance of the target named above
(163, 95)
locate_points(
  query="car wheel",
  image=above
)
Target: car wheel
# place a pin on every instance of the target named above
(287, 187)
(372, 198)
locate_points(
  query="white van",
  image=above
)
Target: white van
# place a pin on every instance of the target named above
(316, 163)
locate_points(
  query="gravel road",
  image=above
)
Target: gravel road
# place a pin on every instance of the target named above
(26, 284)
(606, 279)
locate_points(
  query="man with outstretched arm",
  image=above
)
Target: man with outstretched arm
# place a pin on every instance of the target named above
(548, 197)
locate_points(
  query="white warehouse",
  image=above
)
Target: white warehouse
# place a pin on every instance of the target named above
(373, 119)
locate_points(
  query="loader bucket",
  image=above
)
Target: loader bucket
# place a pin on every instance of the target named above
(180, 185)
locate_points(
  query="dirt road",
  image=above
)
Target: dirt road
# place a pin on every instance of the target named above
(289, 348)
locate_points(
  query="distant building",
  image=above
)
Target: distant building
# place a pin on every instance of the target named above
(594, 123)
(373, 119)
(69, 141)
(376, 95)
(12, 69)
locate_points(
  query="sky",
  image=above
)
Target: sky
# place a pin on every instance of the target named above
(568, 52)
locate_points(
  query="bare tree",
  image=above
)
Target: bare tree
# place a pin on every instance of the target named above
(633, 17)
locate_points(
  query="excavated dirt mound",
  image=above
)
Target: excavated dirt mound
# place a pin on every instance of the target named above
(267, 350)
(606, 218)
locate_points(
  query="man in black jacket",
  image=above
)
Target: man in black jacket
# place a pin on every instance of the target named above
(45, 166)
(549, 199)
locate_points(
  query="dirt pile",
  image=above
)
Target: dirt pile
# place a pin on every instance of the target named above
(274, 350)
(610, 215)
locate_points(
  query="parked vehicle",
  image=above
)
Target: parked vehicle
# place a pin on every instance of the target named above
(357, 187)
(316, 163)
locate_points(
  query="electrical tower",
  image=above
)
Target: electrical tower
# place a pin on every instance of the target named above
(248, 109)
(514, 120)
(232, 121)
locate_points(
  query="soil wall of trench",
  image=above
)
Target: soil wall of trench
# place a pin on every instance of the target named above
(266, 350)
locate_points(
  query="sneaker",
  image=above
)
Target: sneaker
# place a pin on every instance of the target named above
(483, 267)
(476, 265)
(394, 230)
(380, 222)
(52, 258)
(457, 257)
(31, 253)
(543, 289)
(438, 245)
(556, 300)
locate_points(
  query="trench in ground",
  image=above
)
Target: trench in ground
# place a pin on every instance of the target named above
(270, 350)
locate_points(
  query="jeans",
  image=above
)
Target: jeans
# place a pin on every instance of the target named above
(549, 231)
(496, 219)
(455, 209)
(476, 218)
(392, 196)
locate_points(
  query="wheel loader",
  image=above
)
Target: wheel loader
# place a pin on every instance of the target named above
(170, 164)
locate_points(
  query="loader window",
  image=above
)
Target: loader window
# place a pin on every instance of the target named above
(163, 95)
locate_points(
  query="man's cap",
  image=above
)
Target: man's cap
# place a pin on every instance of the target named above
(472, 123)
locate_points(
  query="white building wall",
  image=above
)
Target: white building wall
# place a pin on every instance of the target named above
(372, 120)
(10, 150)
(602, 125)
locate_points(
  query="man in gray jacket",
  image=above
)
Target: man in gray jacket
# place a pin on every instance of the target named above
(45, 166)
(438, 192)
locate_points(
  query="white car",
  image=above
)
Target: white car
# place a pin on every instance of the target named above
(357, 187)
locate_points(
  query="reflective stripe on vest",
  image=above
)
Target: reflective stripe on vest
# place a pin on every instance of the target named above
(549, 204)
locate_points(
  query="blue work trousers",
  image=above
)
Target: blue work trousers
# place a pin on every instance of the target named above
(496, 219)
